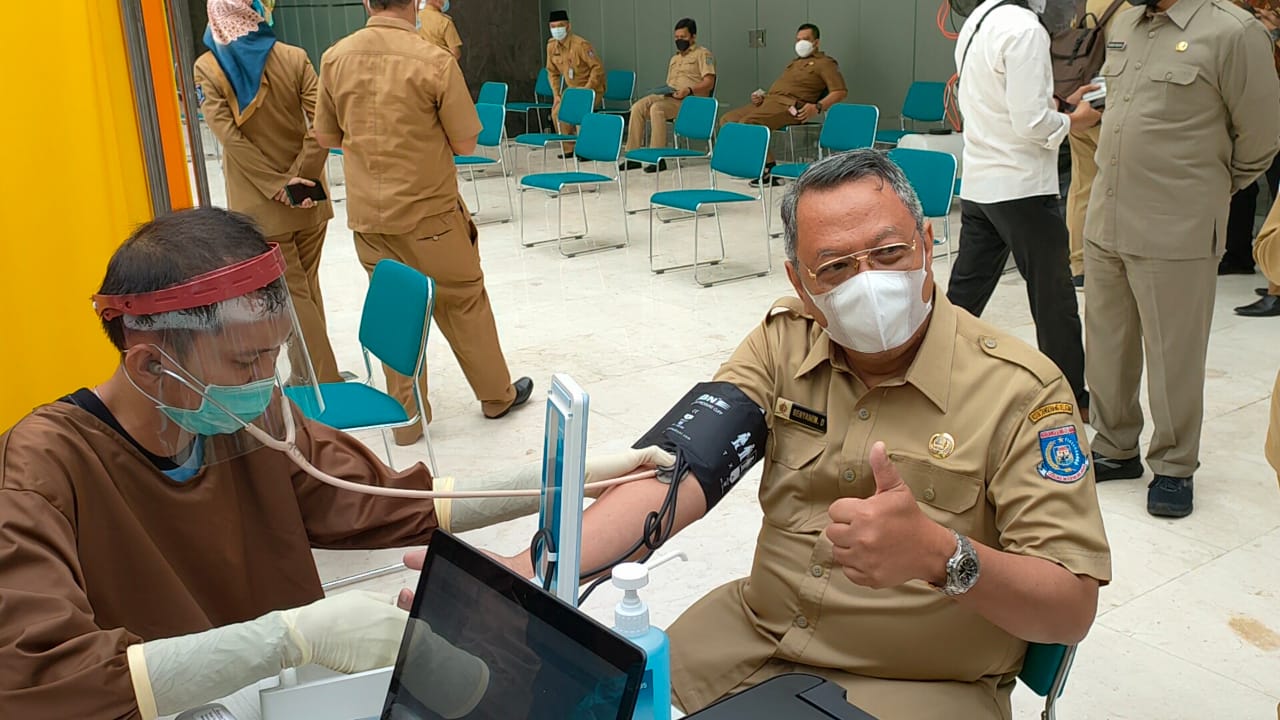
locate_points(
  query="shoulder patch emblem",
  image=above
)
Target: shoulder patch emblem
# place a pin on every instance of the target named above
(199, 94)
(1045, 411)
(1062, 460)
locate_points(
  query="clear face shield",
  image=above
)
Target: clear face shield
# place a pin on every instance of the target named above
(217, 355)
(1057, 15)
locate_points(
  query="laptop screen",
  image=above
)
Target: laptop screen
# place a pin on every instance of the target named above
(484, 643)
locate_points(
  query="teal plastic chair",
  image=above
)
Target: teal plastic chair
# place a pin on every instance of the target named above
(599, 141)
(542, 97)
(739, 153)
(493, 93)
(619, 88)
(1044, 672)
(492, 134)
(933, 175)
(847, 127)
(695, 121)
(925, 102)
(575, 104)
(394, 327)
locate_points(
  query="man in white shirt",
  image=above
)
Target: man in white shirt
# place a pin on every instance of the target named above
(1009, 199)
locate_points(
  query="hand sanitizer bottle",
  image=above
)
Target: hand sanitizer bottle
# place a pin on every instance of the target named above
(631, 620)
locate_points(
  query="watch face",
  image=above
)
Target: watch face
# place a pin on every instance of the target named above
(967, 571)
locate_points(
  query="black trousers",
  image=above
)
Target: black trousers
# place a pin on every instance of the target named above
(1244, 206)
(1033, 230)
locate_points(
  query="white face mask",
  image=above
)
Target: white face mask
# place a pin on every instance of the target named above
(804, 48)
(559, 33)
(875, 310)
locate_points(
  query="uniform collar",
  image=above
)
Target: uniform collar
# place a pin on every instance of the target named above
(382, 21)
(930, 371)
(432, 7)
(1183, 10)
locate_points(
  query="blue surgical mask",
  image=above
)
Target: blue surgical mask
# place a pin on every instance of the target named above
(191, 467)
(246, 402)
(559, 33)
(445, 7)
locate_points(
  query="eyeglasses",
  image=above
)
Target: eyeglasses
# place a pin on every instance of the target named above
(894, 256)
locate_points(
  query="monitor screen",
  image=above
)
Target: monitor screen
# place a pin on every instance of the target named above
(484, 643)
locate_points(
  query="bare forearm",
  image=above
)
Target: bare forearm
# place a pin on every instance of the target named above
(1032, 598)
(833, 98)
(704, 88)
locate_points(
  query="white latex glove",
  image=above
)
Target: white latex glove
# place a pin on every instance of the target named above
(351, 632)
(462, 515)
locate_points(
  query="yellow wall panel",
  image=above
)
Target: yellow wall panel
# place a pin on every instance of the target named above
(72, 186)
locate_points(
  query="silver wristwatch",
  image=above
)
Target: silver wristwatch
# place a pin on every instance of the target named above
(962, 569)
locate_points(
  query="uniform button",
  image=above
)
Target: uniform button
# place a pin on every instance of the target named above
(1151, 34)
(929, 494)
(990, 343)
(1168, 76)
(1111, 193)
(816, 571)
(1127, 98)
(801, 622)
(850, 475)
(863, 414)
(1138, 66)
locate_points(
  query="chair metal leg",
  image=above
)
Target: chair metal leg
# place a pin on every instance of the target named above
(475, 189)
(753, 273)
(386, 441)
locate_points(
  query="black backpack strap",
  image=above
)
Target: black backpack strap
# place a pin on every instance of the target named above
(965, 57)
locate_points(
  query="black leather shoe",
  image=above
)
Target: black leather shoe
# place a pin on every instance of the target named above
(629, 165)
(1268, 306)
(1078, 281)
(1170, 497)
(1262, 292)
(1105, 468)
(524, 389)
(1230, 268)
(660, 167)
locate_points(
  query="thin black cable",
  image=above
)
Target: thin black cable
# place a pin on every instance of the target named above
(545, 537)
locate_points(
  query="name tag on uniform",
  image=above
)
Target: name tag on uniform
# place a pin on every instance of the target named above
(570, 73)
(1116, 45)
(801, 415)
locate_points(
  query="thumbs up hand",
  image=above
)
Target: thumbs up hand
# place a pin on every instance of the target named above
(886, 540)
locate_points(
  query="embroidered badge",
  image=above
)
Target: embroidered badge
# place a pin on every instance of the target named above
(801, 415)
(941, 445)
(199, 95)
(1045, 411)
(1062, 459)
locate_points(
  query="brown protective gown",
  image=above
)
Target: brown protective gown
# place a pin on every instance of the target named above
(99, 550)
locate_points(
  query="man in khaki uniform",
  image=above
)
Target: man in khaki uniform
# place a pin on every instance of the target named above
(572, 61)
(807, 87)
(1084, 144)
(267, 145)
(1266, 251)
(879, 460)
(1191, 118)
(400, 110)
(692, 71)
(437, 28)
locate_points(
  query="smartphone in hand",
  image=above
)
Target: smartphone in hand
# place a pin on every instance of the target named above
(298, 193)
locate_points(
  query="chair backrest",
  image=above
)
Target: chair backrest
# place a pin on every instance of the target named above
(600, 138)
(933, 175)
(575, 104)
(697, 117)
(397, 311)
(1045, 668)
(740, 150)
(849, 127)
(492, 123)
(926, 101)
(542, 86)
(619, 86)
(493, 93)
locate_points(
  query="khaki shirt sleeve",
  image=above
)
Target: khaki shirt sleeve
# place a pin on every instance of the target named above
(553, 72)
(341, 519)
(326, 119)
(832, 77)
(310, 161)
(451, 36)
(1251, 92)
(595, 74)
(237, 149)
(707, 64)
(457, 111)
(752, 366)
(1047, 506)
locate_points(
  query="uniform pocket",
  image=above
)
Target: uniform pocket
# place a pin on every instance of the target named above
(786, 490)
(438, 227)
(1113, 66)
(1174, 73)
(947, 496)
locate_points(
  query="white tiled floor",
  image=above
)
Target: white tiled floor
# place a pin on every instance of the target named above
(1190, 628)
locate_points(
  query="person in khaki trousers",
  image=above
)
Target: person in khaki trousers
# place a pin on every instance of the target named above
(400, 110)
(691, 71)
(1084, 144)
(261, 118)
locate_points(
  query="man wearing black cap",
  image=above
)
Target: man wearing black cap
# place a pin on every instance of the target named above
(571, 60)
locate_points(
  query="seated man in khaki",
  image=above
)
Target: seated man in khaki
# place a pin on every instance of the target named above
(692, 71)
(928, 499)
(807, 87)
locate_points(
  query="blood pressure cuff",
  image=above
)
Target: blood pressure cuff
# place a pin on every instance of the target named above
(716, 432)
